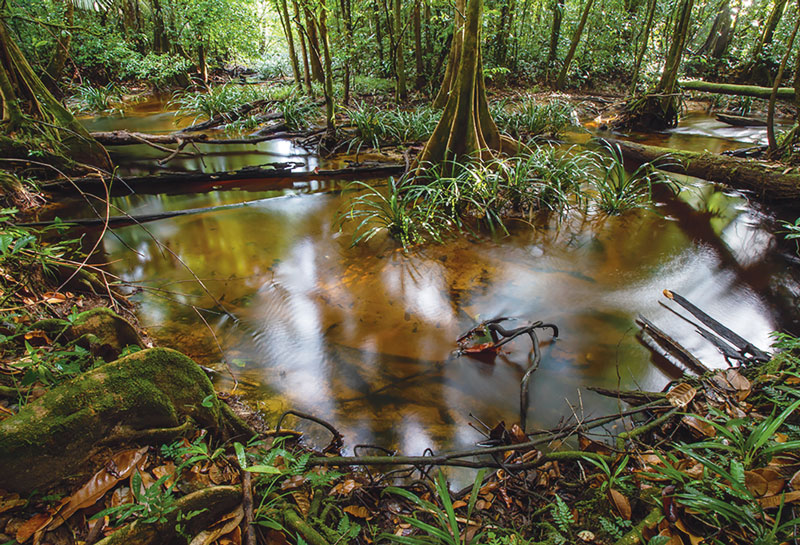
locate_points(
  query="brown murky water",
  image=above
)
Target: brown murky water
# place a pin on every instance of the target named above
(363, 337)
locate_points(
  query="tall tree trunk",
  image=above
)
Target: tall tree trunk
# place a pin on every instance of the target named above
(315, 58)
(330, 107)
(419, 81)
(202, 66)
(637, 65)
(454, 57)
(555, 33)
(348, 40)
(379, 34)
(29, 106)
(466, 129)
(303, 52)
(399, 51)
(660, 109)
(286, 22)
(573, 46)
(56, 65)
(773, 144)
(766, 37)
(719, 37)
(159, 39)
(669, 77)
(503, 29)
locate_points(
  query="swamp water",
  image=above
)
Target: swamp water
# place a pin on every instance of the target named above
(364, 337)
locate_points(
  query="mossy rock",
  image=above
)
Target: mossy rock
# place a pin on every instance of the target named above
(143, 398)
(104, 332)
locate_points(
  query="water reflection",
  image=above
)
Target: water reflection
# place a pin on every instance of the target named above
(364, 336)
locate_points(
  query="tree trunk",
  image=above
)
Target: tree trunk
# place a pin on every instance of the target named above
(22, 92)
(330, 107)
(419, 81)
(573, 46)
(769, 181)
(348, 39)
(454, 56)
(286, 22)
(315, 56)
(648, 25)
(399, 51)
(202, 67)
(555, 33)
(660, 109)
(466, 129)
(773, 144)
(719, 37)
(159, 40)
(303, 52)
(63, 39)
(376, 11)
(766, 36)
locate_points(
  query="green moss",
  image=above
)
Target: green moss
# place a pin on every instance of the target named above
(55, 436)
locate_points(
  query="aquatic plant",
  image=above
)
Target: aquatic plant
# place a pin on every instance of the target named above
(376, 126)
(529, 117)
(216, 101)
(297, 110)
(403, 213)
(617, 190)
(97, 99)
(792, 232)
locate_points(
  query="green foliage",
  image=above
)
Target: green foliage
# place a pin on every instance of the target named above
(614, 477)
(616, 190)
(791, 231)
(616, 527)
(562, 515)
(403, 213)
(529, 117)
(97, 99)
(297, 110)
(444, 528)
(377, 126)
(150, 505)
(216, 101)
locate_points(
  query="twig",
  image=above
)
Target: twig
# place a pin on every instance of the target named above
(249, 532)
(336, 441)
(219, 346)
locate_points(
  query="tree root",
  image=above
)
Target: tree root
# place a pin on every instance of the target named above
(211, 502)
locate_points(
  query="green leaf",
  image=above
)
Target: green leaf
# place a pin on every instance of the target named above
(240, 455)
(263, 469)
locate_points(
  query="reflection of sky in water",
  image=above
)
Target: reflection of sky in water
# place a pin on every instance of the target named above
(363, 337)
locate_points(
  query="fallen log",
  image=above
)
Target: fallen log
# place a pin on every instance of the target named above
(741, 121)
(784, 93)
(228, 117)
(768, 181)
(277, 171)
(126, 138)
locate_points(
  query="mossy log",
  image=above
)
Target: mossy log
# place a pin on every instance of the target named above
(208, 504)
(768, 181)
(142, 398)
(741, 121)
(784, 93)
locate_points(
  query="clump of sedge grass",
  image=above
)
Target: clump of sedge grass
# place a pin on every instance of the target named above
(531, 118)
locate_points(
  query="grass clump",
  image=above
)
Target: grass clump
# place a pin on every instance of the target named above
(530, 118)
(376, 127)
(615, 190)
(91, 99)
(216, 101)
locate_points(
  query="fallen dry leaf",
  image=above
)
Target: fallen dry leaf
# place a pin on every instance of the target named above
(698, 427)
(771, 502)
(302, 500)
(345, 487)
(681, 395)
(620, 503)
(358, 511)
(227, 524)
(9, 501)
(31, 526)
(458, 504)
